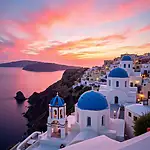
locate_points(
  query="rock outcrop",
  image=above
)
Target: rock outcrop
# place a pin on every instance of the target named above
(20, 96)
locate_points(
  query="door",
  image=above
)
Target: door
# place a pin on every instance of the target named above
(116, 99)
(131, 84)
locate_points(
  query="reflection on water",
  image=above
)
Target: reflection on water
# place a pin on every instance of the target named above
(12, 124)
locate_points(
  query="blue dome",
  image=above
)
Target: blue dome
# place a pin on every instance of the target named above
(57, 102)
(118, 73)
(126, 58)
(92, 100)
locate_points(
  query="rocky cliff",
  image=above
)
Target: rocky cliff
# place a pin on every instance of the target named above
(38, 110)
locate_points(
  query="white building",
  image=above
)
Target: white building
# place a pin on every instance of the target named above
(118, 90)
(145, 69)
(127, 64)
(92, 113)
(132, 113)
(146, 89)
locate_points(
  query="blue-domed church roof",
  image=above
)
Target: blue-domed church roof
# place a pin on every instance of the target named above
(118, 73)
(92, 100)
(57, 101)
(126, 58)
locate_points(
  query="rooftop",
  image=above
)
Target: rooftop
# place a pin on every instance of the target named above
(92, 100)
(139, 109)
(118, 73)
(57, 101)
(105, 143)
(126, 58)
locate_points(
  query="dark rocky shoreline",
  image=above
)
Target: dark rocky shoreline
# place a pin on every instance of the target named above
(37, 112)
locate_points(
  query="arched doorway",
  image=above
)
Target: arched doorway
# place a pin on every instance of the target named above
(116, 99)
(88, 121)
(131, 84)
(56, 131)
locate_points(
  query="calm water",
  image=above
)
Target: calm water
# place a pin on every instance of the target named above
(12, 124)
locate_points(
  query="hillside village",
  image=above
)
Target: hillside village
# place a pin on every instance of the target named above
(103, 116)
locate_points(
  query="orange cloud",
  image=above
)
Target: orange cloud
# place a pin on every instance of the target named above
(74, 47)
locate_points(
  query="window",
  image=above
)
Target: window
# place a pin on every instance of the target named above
(77, 117)
(88, 121)
(135, 118)
(61, 113)
(117, 83)
(128, 65)
(109, 82)
(124, 65)
(55, 113)
(125, 83)
(103, 121)
(129, 114)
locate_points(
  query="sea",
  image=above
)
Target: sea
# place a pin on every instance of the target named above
(12, 123)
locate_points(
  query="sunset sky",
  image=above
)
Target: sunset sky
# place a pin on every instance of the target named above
(74, 32)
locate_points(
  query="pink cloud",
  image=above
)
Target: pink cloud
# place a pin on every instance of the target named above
(144, 29)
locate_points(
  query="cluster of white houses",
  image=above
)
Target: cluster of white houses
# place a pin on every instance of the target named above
(98, 116)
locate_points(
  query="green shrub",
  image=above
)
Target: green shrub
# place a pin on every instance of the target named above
(141, 124)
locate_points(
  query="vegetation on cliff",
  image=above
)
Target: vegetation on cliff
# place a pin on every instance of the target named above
(38, 110)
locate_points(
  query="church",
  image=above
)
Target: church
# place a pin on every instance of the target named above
(91, 119)
(134, 77)
(92, 114)
(120, 88)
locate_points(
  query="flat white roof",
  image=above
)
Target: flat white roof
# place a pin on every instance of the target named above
(98, 143)
(141, 142)
(139, 109)
(105, 143)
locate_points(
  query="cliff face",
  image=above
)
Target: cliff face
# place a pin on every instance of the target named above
(38, 110)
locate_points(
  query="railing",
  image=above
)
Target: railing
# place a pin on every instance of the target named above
(14, 147)
(23, 145)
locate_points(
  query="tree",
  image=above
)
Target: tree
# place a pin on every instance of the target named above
(141, 124)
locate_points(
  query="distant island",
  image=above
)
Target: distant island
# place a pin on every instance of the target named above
(37, 66)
